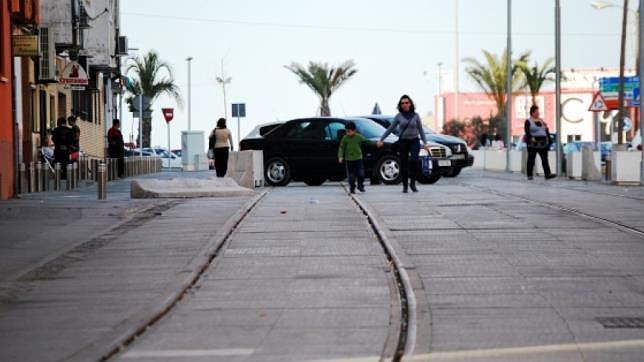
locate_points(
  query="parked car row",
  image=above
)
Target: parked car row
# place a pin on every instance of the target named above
(306, 150)
(168, 159)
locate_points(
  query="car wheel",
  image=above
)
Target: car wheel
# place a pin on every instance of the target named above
(428, 180)
(453, 172)
(314, 181)
(277, 172)
(388, 169)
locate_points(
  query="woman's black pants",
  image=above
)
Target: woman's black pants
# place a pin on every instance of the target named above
(532, 155)
(409, 150)
(221, 161)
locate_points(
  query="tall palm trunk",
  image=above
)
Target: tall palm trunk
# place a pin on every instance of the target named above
(325, 109)
(147, 131)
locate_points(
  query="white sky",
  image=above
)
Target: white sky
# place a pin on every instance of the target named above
(396, 47)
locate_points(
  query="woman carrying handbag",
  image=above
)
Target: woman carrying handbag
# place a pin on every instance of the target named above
(219, 142)
(537, 138)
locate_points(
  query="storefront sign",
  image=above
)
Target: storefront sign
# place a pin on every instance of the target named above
(25, 45)
(74, 75)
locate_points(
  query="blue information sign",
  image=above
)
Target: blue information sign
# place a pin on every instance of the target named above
(239, 110)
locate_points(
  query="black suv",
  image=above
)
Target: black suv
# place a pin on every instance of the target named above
(461, 158)
(307, 150)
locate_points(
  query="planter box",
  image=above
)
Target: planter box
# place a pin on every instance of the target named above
(516, 161)
(574, 165)
(625, 167)
(495, 160)
(479, 159)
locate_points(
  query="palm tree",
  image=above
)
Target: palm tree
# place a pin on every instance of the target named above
(535, 76)
(491, 76)
(153, 78)
(324, 80)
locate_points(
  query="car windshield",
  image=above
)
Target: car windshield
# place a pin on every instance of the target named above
(368, 128)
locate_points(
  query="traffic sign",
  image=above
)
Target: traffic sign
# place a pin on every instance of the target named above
(598, 104)
(609, 88)
(239, 110)
(168, 114)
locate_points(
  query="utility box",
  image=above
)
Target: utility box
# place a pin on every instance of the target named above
(192, 144)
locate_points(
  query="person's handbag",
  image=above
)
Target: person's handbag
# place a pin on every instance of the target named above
(74, 155)
(396, 145)
(426, 165)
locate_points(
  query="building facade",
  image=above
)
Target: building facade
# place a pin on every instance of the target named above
(578, 123)
(19, 20)
(73, 70)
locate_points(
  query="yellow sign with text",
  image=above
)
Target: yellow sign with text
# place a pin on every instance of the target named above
(25, 45)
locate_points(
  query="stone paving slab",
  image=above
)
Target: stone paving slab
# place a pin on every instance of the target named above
(308, 284)
(509, 280)
(82, 296)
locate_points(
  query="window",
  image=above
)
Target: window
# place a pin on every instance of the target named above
(308, 130)
(332, 131)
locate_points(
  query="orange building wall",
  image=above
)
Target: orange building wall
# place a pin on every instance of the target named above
(6, 115)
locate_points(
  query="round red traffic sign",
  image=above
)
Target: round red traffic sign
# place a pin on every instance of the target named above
(168, 114)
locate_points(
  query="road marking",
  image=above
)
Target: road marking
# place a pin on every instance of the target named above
(523, 351)
(517, 352)
(188, 353)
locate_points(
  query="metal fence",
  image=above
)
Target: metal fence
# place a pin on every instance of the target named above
(43, 177)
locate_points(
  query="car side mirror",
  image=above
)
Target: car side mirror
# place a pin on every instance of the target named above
(341, 133)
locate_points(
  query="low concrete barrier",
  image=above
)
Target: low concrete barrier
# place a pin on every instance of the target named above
(625, 167)
(246, 168)
(591, 164)
(479, 159)
(495, 160)
(187, 188)
(516, 161)
(574, 165)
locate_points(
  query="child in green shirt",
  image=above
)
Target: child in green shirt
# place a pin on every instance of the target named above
(351, 151)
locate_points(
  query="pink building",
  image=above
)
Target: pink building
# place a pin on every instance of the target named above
(577, 93)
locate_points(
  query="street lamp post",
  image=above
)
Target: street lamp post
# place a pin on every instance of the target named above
(508, 90)
(223, 80)
(189, 60)
(558, 84)
(457, 91)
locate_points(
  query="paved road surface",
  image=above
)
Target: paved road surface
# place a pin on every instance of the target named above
(506, 270)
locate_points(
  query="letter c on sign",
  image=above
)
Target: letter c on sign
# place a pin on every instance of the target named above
(563, 112)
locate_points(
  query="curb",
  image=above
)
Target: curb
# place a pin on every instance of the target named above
(126, 332)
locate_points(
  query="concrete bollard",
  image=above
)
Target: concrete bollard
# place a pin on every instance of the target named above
(38, 166)
(45, 177)
(68, 182)
(22, 174)
(32, 177)
(75, 174)
(57, 176)
(102, 181)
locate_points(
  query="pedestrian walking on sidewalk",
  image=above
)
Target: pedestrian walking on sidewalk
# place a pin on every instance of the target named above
(350, 151)
(76, 132)
(220, 141)
(411, 128)
(63, 142)
(116, 146)
(537, 138)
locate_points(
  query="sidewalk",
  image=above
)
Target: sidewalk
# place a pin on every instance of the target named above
(510, 280)
(61, 295)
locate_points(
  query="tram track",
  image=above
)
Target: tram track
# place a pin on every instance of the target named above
(407, 330)
(399, 346)
(137, 324)
(563, 209)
